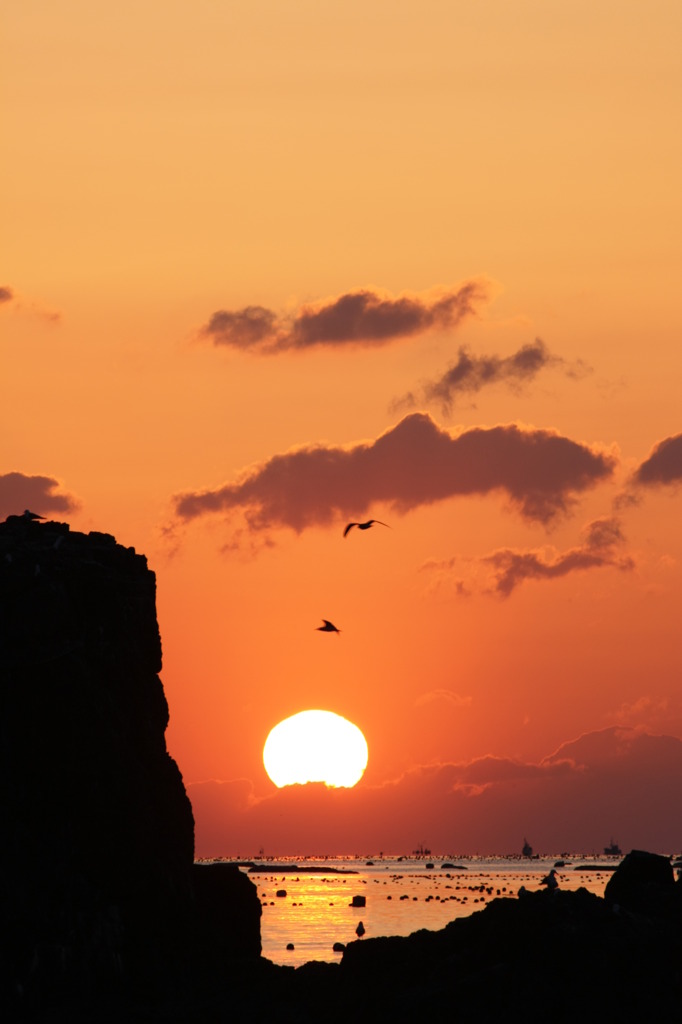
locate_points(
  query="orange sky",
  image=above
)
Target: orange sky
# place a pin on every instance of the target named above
(271, 267)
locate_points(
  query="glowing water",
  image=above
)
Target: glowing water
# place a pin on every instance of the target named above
(401, 897)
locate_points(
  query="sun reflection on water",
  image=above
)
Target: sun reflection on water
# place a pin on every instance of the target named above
(401, 898)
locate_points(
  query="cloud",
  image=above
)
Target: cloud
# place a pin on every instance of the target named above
(413, 464)
(365, 317)
(616, 781)
(663, 466)
(471, 373)
(600, 546)
(652, 710)
(37, 493)
(510, 567)
(442, 696)
(8, 296)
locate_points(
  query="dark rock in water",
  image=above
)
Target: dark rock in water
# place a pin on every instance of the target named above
(281, 893)
(96, 859)
(642, 882)
(358, 901)
(338, 947)
(290, 945)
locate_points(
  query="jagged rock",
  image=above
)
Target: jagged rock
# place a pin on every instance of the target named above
(96, 858)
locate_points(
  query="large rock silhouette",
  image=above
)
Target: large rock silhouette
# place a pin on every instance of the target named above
(105, 918)
(97, 848)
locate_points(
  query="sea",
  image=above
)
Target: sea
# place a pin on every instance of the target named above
(311, 904)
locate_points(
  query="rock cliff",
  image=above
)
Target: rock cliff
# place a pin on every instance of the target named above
(96, 856)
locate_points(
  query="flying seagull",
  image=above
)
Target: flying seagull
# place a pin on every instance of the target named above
(328, 627)
(31, 515)
(364, 526)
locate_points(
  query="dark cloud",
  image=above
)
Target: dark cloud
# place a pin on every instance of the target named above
(663, 465)
(415, 463)
(600, 547)
(37, 493)
(363, 317)
(6, 294)
(616, 781)
(471, 373)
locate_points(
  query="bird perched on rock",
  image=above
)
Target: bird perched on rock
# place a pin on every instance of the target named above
(31, 515)
(328, 627)
(364, 526)
(550, 881)
(360, 930)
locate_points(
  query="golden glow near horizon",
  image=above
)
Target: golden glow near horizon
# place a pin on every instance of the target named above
(315, 746)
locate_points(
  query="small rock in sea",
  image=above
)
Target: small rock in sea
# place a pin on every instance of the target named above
(338, 947)
(290, 945)
(358, 901)
(280, 893)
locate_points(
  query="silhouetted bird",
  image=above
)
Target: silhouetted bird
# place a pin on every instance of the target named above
(31, 515)
(550, 881)
(328, 627)
(360, 930)
(364, 526)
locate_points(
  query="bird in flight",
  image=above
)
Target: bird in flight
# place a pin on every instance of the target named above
(364, 526)
(31, 515)
(328, 627)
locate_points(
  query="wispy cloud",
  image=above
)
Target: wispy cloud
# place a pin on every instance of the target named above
(443, 696)
(663, 465)
(508, 568)
(365, 317)
(471, 373)
(602, 541)
(9, 298)
(37, 493)
(413, 464)
(661, 468)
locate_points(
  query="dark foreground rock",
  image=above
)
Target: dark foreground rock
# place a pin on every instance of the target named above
(105, 919)
(98, 888)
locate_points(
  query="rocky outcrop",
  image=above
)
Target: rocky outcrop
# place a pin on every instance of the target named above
(644, 883)
(98, 886)
(104, 917)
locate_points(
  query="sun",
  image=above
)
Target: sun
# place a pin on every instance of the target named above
(315, 746)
